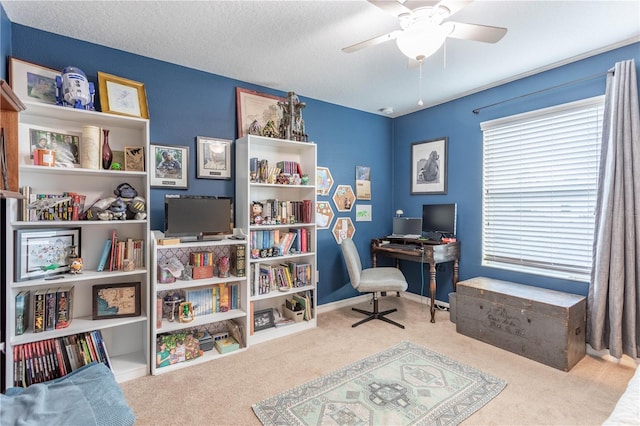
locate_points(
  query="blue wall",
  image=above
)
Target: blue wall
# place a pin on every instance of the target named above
(5, 41)
(456, 121)
(204, 104)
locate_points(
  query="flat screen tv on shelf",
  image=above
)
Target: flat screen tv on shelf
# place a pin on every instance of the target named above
(198, 217)
(439, 220)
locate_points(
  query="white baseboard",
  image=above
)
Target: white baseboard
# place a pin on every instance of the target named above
(328, 307)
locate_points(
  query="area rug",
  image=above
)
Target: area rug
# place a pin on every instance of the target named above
(405, 384)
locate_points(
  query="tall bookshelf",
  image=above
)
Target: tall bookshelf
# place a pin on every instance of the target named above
(250, 188)
(165, 317)
(127, 338)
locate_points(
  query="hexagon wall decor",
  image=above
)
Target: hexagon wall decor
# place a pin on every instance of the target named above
(343, 228)
(324, 214)
(324, 181)
(343, 198)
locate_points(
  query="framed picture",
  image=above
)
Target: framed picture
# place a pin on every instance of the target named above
(32, 82)
(122, 96)
(65, 144)
(170, 166)
(116, 300)
(256, 107)
(214, 158)
(134, 158)
(44, 252)
(429, 167)
(263, 319)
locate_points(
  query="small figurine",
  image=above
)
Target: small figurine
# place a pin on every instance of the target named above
(256, 212)
(74, 89)
(75, 267)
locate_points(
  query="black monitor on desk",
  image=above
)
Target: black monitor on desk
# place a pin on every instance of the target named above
(439, 220)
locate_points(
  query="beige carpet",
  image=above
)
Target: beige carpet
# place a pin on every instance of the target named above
(221, 392)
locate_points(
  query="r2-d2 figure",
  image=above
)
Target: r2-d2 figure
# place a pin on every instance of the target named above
(74, 90)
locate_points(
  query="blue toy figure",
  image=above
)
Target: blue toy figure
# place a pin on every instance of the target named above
(74, 90)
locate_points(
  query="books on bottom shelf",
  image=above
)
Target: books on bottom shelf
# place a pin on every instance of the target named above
(49, 359)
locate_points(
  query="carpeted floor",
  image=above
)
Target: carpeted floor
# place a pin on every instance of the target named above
(222, 392)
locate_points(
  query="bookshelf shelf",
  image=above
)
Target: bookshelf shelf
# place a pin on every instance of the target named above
(126, 338)
(251, 151)
(233, 320)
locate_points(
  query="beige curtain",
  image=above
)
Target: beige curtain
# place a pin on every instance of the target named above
(613, 312)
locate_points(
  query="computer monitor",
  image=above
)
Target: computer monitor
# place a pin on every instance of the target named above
(198, 216)
(439, 220)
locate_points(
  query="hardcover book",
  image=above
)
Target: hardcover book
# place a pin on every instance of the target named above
(38, 310)
(64, 299)
(50, 310)
(238, 267)
(22, 312)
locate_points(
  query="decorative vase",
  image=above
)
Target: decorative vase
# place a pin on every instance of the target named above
(107, 154)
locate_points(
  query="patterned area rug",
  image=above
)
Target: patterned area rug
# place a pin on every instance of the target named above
(405, 384)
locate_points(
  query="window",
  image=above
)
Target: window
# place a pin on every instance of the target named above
(540, 173)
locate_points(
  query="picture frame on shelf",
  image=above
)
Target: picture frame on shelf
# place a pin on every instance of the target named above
(214, 158)
(170, 166)
(259, 107)
(122, 96)
(44, 252)
(429, 166)
(65, 144)
(118, 300)
(263, 319)
(134, 158)
(33, 82)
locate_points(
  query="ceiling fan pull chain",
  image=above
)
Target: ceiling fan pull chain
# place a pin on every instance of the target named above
(420, 103)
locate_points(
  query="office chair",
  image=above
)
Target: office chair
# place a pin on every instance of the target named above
(372, 280)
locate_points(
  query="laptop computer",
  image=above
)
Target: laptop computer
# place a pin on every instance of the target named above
(406, 227)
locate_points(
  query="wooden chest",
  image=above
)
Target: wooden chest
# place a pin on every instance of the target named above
(544, 325)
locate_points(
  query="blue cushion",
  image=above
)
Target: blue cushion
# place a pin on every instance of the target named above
(89, 395)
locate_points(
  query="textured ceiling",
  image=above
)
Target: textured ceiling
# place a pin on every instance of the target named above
(296, 45)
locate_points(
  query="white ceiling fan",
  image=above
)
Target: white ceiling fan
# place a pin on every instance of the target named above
(423, 27)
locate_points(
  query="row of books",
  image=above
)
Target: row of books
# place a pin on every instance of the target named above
(210, 300)
(50, 309)
(271, 277)
(297, 239)
(287, 211)
(201, 258)
(49, 359)
(261, 168)
(115, 252)
(66, 206)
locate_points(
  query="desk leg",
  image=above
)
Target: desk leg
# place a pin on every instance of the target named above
(374, 259)
(455, 274)
(432, 290)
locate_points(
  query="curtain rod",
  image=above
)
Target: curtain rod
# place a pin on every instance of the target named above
(477, 110)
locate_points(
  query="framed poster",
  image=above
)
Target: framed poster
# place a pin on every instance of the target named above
(116, 300)
(122, 96)
(214, 158)
(32, 82)
(363, 183)
(429, 167)
(43, 252)
(65, 144)
(170, 166)
(263, 319)
(257, 109)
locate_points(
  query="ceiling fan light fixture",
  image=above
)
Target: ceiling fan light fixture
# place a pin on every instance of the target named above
(421, 42)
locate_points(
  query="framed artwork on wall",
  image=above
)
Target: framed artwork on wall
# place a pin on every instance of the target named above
(43, 252)
(170, 166)
(32, 82)
(214, 158)
(257, 109)
(429, 167)
(122, 96)
(116, 300)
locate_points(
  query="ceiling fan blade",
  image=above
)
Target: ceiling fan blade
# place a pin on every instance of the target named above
(483, 33)
(372, 41)
(392, 7)
(453, 5)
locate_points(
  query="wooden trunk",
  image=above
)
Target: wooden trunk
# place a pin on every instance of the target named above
(544, 325)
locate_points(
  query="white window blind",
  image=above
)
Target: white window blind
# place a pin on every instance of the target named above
(540, 172)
